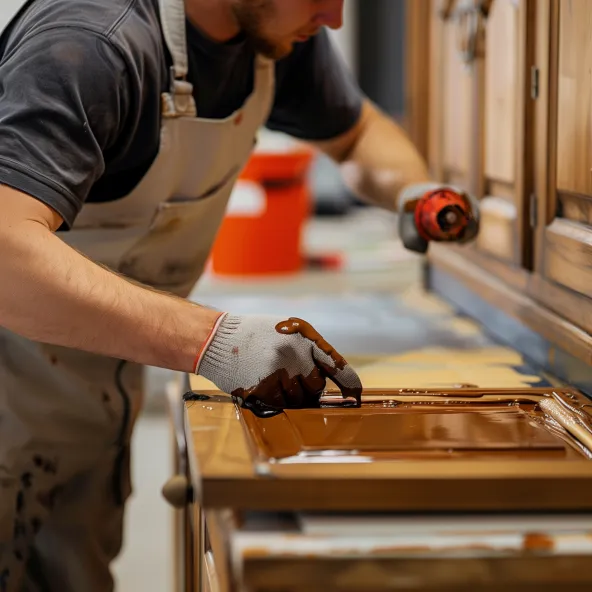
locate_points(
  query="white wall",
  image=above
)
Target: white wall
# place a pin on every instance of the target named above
(8, 9)
(345, 38)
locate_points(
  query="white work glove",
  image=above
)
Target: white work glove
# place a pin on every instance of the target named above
(272, 363)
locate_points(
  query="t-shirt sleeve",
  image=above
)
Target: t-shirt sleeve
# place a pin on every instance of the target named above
(316, 96)
(63, 101)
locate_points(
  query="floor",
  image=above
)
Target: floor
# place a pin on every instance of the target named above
(373, 306)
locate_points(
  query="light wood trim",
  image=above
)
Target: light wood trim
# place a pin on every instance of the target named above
(576, 207)
(454, 177)
(418, 73)
(216, 443)
(497, 188)
(568, 255)
(433, 471)
(549, 325)
(210, 580)
(497, 235)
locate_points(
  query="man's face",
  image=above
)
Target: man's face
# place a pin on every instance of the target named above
(273, 26)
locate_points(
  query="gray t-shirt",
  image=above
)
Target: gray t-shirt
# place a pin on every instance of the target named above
(80, 86)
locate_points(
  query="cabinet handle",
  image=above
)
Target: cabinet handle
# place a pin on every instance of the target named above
(177, 491)
(471, 17)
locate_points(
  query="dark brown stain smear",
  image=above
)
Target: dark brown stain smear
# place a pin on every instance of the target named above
(538, 542)
(296, 325)
(278, 391)
(413, 430)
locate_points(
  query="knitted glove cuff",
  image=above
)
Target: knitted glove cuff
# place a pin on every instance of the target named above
(218, 349)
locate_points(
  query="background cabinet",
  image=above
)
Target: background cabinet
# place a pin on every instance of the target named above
(505, 87)
(565, 163)
(478, 114)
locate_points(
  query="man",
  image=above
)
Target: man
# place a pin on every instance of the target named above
(123, 127)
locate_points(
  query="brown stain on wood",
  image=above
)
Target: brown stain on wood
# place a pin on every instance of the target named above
(538, 542)
(430, 429)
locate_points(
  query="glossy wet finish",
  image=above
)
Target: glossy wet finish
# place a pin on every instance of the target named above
(408, 425)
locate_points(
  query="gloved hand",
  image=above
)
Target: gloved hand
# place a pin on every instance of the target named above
(273, 363)
(407, 201)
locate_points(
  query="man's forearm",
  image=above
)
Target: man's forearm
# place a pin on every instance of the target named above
(53, 294)
(377, 158)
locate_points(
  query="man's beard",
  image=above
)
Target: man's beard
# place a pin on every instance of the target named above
(251, 16)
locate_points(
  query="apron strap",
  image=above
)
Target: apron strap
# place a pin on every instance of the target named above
(179, 102)
(172, 15)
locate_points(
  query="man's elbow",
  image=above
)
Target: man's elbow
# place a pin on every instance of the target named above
(342, 147)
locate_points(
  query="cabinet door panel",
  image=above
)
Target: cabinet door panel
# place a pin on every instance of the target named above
(567, 241)
(497, 236)
(456, 105)
(450, 102)
(501, 84)
(504, 141)
(478, 112)
(563, 170)
(574, 123)
(568, 259)
(574, 114)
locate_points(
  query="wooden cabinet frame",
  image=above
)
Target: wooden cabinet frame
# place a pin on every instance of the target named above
(562, 258)
(541, 271)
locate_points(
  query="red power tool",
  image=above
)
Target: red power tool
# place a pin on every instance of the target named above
(440, 214)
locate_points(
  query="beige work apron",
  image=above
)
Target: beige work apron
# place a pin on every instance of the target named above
(63, 412)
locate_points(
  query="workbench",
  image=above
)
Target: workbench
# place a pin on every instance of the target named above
(231, 536)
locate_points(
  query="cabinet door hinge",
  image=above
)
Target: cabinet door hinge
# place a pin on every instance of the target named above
(534, 210)
(534, 83)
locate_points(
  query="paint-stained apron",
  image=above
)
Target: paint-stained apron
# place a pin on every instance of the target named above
(66, 416)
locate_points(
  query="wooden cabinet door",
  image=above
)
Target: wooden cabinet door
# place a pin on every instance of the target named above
(478, 116)
(563, 133)
(505, 231)
(450, 101)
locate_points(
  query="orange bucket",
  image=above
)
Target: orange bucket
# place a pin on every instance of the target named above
(261, 232)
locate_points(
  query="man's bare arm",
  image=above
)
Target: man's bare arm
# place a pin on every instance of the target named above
(51, 293)
(377, 157)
